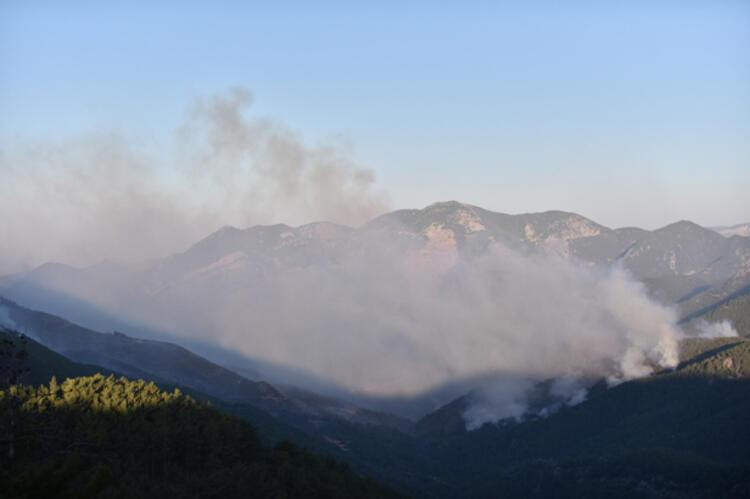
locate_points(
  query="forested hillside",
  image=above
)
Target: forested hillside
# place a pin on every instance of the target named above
(679, 433)
(101, 436)
(39, 363)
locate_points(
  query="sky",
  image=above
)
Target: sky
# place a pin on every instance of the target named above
(630, 113)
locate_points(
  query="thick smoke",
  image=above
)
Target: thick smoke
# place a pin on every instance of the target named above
(385, 321)
(263, 172)
(386, 326)
(390, 327)
(103, 197)
(374, 315)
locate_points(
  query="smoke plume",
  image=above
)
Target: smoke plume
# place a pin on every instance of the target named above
(104, 197)
(379, 324)
(370, 313)
(375, 321)
(721, 329)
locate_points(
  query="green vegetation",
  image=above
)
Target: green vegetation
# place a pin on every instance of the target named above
(719, 357)
(680, 433)
(40, 364)
(135, 358)
(102, 436)
(677, 435)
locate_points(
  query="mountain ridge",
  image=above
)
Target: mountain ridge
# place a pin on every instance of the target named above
(679, 252)
(240, 272)
(166, 362)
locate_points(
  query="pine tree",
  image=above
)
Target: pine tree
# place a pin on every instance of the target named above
(53, 387)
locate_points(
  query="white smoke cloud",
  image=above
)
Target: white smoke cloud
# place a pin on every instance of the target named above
(388, 318)
(376, 322)
(104, 197)
(572, 325)
(381, 317)
(505, 398)
(721, 329)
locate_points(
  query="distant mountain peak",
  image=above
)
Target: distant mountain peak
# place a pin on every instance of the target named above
(445, 206)
(682, 226)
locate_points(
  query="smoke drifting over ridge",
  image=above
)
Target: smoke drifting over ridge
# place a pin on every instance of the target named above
(388, 318)
(721, 329)
(380, 319)
(102, 197)
(383, 326)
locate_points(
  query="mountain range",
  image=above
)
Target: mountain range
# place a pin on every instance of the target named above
(681, 262)
(235, 283)
(676, 433)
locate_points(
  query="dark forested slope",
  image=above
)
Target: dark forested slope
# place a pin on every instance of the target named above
(680, 433)
(102, 436)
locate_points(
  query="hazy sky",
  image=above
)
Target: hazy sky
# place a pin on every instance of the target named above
(631, 113)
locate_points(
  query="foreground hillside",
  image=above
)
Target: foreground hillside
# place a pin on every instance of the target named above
(39, 363)
(101, 436)
(170, 364)
(681, 433)
(671, 437)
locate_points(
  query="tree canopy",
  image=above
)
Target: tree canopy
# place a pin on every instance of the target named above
(102, 436)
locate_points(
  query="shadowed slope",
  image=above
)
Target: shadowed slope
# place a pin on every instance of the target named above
(106, 437)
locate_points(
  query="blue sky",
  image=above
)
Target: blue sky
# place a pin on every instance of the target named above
(631, 113)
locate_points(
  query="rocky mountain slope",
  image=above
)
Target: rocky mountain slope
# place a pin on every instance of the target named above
(681, 262)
